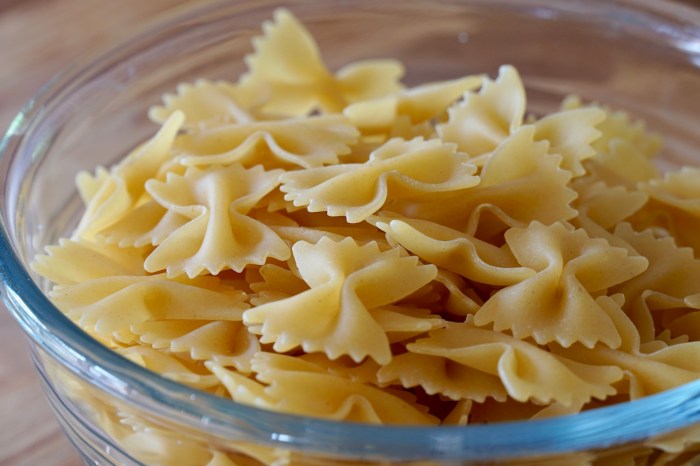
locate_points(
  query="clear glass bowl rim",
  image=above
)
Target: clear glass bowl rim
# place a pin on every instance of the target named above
(61, 339)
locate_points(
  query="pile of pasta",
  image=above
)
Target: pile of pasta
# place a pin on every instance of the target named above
(337, 245)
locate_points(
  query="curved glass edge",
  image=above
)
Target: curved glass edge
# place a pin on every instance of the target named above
(84, 356)
(595, 429)
(94, 446)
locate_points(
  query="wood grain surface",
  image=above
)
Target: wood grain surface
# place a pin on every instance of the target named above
(37, 39)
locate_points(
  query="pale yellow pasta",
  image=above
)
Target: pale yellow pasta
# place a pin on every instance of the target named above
(618, 125)
(523, 370)
(646, 373)
(365, 372)
(672, 271)
(303, 142)
(89, 184)
(624, 151)
(483, 120)
(459, 416)
(277, 283)
(520, 182)
(679, 189)
(113, 305)
(351, 288)
(623, 164)
(146, 225)
(218, 233)
(403, 128)
(559, 302)
(674, 208)
(413, 106)
(460, 300)
(334, 245)
(70, 261)
(441, 375)
(124, 187)
(570, 134)
(170, 367)
(156, 444)
(457, 252)
(294, 234)
(287, 68)
(687, 324)
(223, 341)
(293, 229)
(601, 207)
(206, 103)
(398, 169)
(296, 386)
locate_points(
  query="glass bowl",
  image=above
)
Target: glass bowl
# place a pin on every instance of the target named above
(637, 55)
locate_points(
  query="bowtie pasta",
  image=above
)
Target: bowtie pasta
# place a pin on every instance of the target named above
(336, 245)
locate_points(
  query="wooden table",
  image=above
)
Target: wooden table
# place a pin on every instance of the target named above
(37, 39)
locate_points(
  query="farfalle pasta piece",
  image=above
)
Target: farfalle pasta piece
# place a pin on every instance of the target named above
(403, 322)
(675, 206)
(124, 187)
(398, 169)
(559, 302)
(301, 387)
(459, 415)
(601, 207)
(311, 226)
(72, 261)
(673, 271)
(685, 324)
(313, 235)
(679, 189)
(154, 446)
(223, 341)
(443, 376)
(148, 224)
(288, 70)
(624, 150)
(89, 184)
(301, 142)
(483, 120)
(618, 125)
(417, 105)
(170, 367)
(571, 134)
(526, 371)
(350, 287)
(111, 306)
(520, 183)
(493, 411)
(648, 373)
(277, 283)
(455, 251)
(365, 372)
(205, 103)
(218, 234)
(291, 231)
(622, 164)
(460, 300)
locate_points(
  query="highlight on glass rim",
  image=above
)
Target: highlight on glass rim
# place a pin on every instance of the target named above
(337, 245)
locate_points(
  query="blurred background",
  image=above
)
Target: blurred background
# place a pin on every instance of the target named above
(37, 39)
